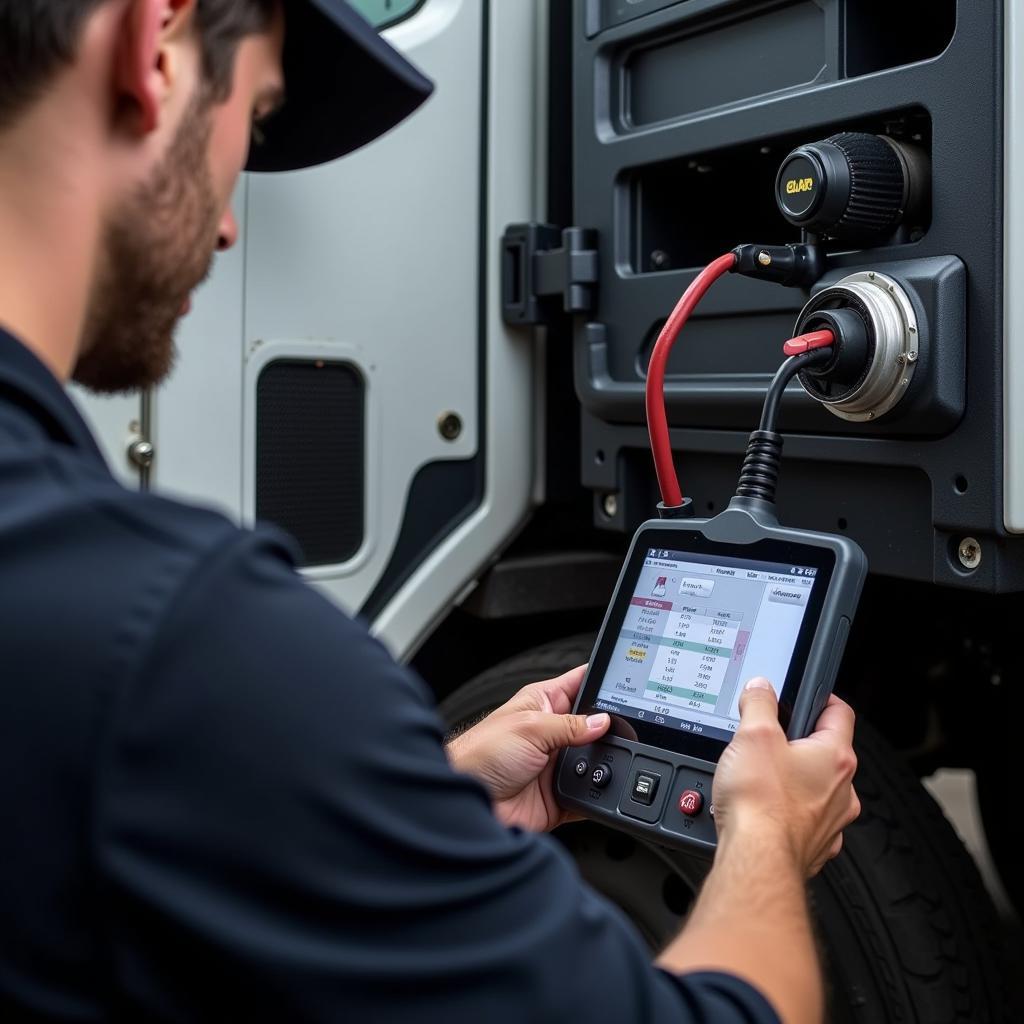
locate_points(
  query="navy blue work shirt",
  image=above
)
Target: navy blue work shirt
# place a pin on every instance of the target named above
(221, 800)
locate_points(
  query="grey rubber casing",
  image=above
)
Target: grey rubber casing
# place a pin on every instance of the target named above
(745, 521)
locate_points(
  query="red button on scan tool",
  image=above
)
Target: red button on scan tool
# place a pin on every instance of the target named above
(691, 802)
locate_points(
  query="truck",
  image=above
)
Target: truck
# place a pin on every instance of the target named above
(426, 361)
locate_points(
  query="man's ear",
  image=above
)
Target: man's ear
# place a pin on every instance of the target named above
(144, 74)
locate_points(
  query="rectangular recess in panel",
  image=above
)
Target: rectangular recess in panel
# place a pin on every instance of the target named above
(881, 34)
(721, 346)
(755, 54)
(826, 495)
(682, 213)
(616, 12)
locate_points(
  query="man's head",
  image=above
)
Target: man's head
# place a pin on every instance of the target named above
(161, 96)
(123, 127)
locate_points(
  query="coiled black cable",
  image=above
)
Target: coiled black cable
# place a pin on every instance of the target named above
(760, 473)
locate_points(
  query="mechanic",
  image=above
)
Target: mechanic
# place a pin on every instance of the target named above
(222, 800)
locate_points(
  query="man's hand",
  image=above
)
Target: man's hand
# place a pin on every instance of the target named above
(780, 808)
(513, 750)
(798, 792)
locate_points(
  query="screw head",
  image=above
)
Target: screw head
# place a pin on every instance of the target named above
(911, 357)
(141, 452)
(764, 258)
(449, 425)
(969, 553)
(901, 359)
(610, 505)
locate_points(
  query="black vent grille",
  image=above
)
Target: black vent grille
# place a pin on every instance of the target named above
(310, 461)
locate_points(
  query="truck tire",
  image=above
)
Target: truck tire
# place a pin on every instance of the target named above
(907, 929)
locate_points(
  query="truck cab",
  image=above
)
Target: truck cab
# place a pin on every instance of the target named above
(427, 362)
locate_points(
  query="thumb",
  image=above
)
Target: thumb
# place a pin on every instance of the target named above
(553, 732)
(758, 703)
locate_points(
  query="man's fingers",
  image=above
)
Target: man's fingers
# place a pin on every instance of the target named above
(758, 704)
(838, 718)
(552, 732)
(832, 852)
(555, 695)
(561, 691)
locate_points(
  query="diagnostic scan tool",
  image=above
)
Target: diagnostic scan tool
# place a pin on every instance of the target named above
(700, 608)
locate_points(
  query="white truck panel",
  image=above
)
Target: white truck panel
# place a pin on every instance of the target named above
(196, 421)
(516, 62)
(378, 253)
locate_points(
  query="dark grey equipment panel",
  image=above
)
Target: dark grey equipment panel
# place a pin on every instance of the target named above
(683, 112)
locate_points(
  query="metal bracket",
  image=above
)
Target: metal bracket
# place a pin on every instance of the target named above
(540, 262)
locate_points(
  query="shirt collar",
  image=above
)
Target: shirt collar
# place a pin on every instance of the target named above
(27, 383)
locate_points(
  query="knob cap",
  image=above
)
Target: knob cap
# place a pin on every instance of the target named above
(852, 186)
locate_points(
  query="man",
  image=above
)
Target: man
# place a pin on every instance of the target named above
(221, 799)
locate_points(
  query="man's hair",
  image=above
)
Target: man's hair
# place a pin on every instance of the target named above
(39, 37)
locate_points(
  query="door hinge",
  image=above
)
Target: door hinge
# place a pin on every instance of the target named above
(547, 271)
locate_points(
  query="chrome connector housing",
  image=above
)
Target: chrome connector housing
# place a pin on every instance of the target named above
(895, 345)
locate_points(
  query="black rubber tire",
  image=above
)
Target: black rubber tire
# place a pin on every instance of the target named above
(908, 931)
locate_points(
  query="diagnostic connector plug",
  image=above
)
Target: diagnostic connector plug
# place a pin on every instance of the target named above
(798, 265)
(875, 349)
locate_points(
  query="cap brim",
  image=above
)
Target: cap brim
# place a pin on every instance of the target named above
(344, 85)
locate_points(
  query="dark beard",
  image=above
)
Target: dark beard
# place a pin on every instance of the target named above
(156, 249)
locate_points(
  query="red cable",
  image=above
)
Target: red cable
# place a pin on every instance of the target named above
(808, 342)
(657, 419)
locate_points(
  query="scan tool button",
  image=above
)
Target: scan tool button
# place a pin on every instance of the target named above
(601, 776)
(580, 767)
(690, 802)
(788, 595)
(696, 587)
(648, 784)
(645, 786)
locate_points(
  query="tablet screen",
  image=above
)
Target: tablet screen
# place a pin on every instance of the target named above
(696, 628)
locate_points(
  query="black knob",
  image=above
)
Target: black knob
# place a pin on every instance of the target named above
(601, 776)
(851, 186)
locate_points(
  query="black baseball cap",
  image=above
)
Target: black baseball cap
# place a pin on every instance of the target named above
(344, 87)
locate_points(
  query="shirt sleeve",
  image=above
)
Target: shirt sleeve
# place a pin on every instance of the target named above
(280, 837)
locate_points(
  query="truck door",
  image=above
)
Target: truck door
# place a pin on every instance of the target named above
(345, 372)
